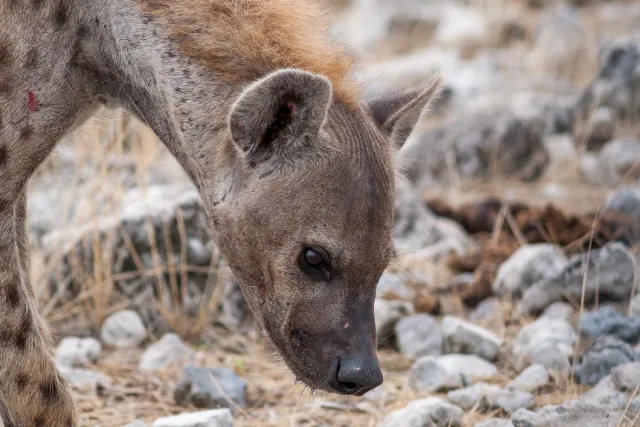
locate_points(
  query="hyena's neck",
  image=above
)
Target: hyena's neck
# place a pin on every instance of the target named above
(184, 103)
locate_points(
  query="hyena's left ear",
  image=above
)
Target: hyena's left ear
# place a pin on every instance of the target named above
(397, 114)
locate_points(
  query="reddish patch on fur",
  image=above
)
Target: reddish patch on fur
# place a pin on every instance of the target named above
(32, 103)
(244, 40)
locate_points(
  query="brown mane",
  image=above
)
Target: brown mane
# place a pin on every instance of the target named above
(243, 40)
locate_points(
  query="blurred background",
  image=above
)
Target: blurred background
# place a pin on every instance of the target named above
(516, 229)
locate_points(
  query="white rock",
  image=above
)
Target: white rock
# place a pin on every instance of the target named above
(559, 310)
(387, 313)
(463, 337)
(164, 353)
(213, 418)
(547, 341)
(635, 305)
(490, 396)
(459, 24)
(78, 352)
(526, 266)
(494, 422)
(419, 335)
(136, 423)
(123, 329)
(531, 379)
(84, 380)
(431, 374)
(433, 411)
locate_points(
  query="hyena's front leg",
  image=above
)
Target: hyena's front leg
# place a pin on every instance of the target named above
(34, 393)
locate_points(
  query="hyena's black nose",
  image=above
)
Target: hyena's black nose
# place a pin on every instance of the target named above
(356, 375)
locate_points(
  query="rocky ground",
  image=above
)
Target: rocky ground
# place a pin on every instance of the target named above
(512, 303)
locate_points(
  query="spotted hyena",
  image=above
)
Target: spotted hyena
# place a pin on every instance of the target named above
(294, 169)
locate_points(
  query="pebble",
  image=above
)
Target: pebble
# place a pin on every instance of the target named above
(123, 329)
(610, 271)
(606, 353)
(393, 285)
(433, 412)
(559, 310)
(387, 314)
(494, 422)
(569, 414)
(607, 321)
(78, 352)
(213, 418)
(84, 380)
(526, 266)
(531, 379)
(449, 372)
(419, 335)
(547, 341)
(626, 377)
(164, 353)
(490, 396)
(199, 388)
(462, 337)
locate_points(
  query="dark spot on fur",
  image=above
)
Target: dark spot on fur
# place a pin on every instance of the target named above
(49, 391)
(12, 293)
(26, 133)
(32, 58)
(61, 15)
(5, 87)
(82, 31)
(4, 155)
(37, 4)
(5, 55)
(24, 330)
(22, 379)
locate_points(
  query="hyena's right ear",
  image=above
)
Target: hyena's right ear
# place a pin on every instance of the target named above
(282, 107)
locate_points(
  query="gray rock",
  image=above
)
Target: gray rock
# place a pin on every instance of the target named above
(559, 310)
(634, 405)
(136, 423)
(123, 329)
(635, 305)
(494, 422)
(211, 388)
(433, 411)
(626, 377)
(84, 380)
(528, 265)
(626, 201)
(547, 341)
(78, 352)
(487, 310)
(165, 353)
(617, 162)
(144, 215)
(531, 379)
(387, 314)
(616, 85)
(460, 336)
(569, 414)
(605, 394)
(441, 373)
(416, 227)
(605, 354)
(489, 396)
(213, 418)
(479, 145)
(601, 128)
(418, 335)
(609, 271)
(394, 285)
(607, 321)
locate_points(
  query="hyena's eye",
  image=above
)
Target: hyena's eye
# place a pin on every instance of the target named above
(314, 261)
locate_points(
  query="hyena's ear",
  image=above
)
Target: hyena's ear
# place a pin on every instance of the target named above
(397, 114)
(284, 105)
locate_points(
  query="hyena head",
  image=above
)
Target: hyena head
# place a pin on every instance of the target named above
(306, 215)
